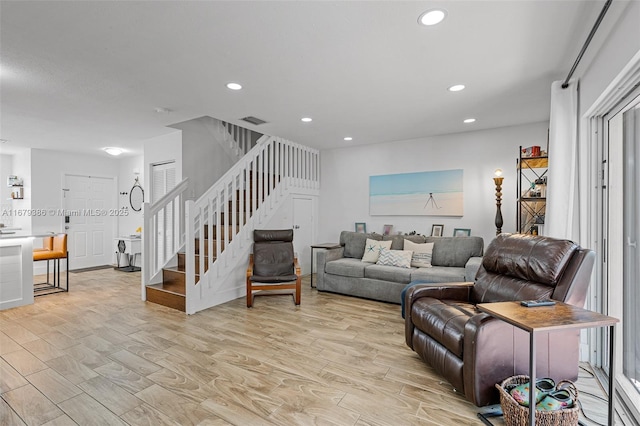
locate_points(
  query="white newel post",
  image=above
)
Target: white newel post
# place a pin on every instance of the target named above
(190, 291)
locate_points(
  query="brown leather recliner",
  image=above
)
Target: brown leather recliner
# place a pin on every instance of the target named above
(473, 350)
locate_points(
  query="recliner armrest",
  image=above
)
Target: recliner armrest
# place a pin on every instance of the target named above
(450, 291)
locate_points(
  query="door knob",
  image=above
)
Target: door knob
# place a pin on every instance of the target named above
(66, 227)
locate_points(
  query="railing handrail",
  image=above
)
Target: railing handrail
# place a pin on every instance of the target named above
(168, 197)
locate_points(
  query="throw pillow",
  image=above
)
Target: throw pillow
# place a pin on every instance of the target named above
(421, 253)
(372, 249)
(400, 258)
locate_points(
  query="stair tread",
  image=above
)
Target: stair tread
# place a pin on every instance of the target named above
(177, 269)
(168, 288)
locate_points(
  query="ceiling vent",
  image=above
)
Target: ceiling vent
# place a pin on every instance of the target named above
(253, 120)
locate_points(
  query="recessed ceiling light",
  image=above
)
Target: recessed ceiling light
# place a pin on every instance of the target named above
(348, 138)
(234, 86)
(432, 17)
(307, 119)
(113, 151)
(469, 120)
(456, 88)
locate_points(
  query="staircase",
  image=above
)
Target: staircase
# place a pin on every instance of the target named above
(195, 251)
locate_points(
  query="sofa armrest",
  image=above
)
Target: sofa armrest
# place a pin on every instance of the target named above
(471, 268)
(451, 291)
(324, 256)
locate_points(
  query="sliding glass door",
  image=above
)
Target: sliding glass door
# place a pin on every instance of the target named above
(621, 205)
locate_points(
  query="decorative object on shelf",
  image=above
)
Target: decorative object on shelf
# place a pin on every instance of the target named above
(386, 230)
(13, 180)
(17, 193)
(437, 230)
(437, 193)
(498, 181)
(15, 183)
(461, 232)
(532, 151)
(531, 191)
(136, 196)
(361, 227)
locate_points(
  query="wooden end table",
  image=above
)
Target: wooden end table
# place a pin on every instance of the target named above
(326, 246)
(560, 316)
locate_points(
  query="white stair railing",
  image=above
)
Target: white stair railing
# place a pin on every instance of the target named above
(162, 232)
(238, 137)
(223, 219)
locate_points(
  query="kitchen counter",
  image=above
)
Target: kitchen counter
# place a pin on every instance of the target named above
(16, 269)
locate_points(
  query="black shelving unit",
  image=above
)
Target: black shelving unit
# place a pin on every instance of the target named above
(532, 193)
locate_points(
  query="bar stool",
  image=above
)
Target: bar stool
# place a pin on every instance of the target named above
(40, 253)
(57, 251)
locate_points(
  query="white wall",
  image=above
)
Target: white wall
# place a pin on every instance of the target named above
(22, 168)
(204, 159)
(344, 181)
(128, 169)
(620, 45)
(48, 169)
(6, 205)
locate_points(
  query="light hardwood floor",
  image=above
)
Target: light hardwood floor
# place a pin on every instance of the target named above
(100, 356)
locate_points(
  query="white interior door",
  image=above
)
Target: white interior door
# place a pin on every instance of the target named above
(89, 225)
(164, 180)
(303, 231)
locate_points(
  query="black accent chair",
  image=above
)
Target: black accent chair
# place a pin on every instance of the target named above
(273, 265)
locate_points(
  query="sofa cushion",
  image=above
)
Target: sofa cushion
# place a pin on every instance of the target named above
(372, 249)
(388, 273)
(443, 320)
(354, 243)
(346, 267)
(439, 274)
(455, 251)
(422, 253)
(397, 241)
(399, 258)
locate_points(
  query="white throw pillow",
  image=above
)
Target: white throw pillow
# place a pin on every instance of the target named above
(372, 249)
(399, 258)
(421, 253)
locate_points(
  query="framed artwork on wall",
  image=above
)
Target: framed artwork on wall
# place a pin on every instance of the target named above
(437, 230)
(436, 193)
(386, 230)
(461, 232)
(361, 227)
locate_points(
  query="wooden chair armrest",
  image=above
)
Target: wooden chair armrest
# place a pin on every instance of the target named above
(296, 265)
(250, 266)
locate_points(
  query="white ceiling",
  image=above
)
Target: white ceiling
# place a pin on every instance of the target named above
(79, 76)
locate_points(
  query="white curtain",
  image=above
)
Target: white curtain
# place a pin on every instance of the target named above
(563, 193)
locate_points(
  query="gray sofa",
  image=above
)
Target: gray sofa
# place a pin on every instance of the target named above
(341, 270)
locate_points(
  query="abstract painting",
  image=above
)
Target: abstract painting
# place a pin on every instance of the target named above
(437, 193)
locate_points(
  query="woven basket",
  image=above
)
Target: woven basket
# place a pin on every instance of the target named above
(517, 415)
